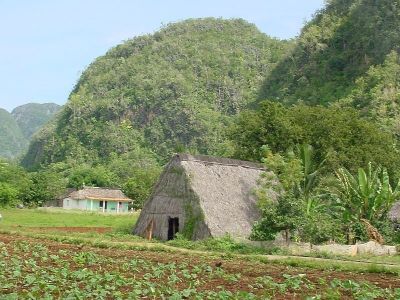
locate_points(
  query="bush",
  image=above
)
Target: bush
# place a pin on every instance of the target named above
(224, 244)
(320, 228)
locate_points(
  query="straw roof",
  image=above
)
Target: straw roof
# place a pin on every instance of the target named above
(221, 189)
(97, 193)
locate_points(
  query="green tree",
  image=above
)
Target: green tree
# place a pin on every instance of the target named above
(14, 184)
(290, 201)
(339, 136)
(139, 186)
(46, 186)
(8, 194)
(92, 176)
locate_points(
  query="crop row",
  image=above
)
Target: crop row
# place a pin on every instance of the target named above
(34, 270)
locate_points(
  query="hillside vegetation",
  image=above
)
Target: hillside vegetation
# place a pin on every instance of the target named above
(341, 43)
(32, 116)
(174, 90)
(11, 139)
(17, 128)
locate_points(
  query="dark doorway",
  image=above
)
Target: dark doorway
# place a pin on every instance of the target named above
(173, 227)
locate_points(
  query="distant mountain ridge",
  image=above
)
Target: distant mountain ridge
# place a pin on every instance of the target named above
(11, 138)
(32, 116)
(18, 127)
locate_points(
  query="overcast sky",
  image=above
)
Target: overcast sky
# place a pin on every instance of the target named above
(46, 44)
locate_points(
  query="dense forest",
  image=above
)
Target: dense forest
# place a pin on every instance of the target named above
(321, 111)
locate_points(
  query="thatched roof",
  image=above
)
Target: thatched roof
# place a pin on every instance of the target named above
(97, 193)
(223, 190)
(219, 161)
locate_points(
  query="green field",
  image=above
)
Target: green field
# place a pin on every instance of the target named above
(62, 218)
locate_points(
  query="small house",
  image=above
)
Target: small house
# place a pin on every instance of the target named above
(202, 196)
(97, 199)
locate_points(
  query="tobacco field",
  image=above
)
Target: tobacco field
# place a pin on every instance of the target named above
(43, 269)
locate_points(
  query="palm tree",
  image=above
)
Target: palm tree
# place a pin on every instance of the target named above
(311, 172)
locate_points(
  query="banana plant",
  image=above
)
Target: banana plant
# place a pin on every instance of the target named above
(368, 195)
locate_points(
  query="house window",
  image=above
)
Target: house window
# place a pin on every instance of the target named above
(101, 204)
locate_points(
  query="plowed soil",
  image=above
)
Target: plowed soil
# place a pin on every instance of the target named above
(248, 270)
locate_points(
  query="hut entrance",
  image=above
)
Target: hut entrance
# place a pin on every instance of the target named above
(173, 227)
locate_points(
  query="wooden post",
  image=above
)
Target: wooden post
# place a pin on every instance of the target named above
(149, 230)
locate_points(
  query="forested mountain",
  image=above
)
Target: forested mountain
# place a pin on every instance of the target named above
(32, 116)
(17, 128)
(343, 42)
(12, 141)
(171, 91)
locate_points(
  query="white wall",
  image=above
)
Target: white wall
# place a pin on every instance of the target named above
(69, 203)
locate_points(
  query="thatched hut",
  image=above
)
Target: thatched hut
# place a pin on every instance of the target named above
(200, 197)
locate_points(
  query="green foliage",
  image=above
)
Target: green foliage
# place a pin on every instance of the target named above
(17, 128)
(339, 45)
(136, 171)
(92, 176)
(339, 136)
(139, 186)
(224, 244)
(46, 186)
(291, 201)
(377, 94)
(8, 194)
(162, 92)
(32, 116)
(191, 221)
(309, 209)
(368, 196)
(268, 125)
(14, 184)
(11, 139)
